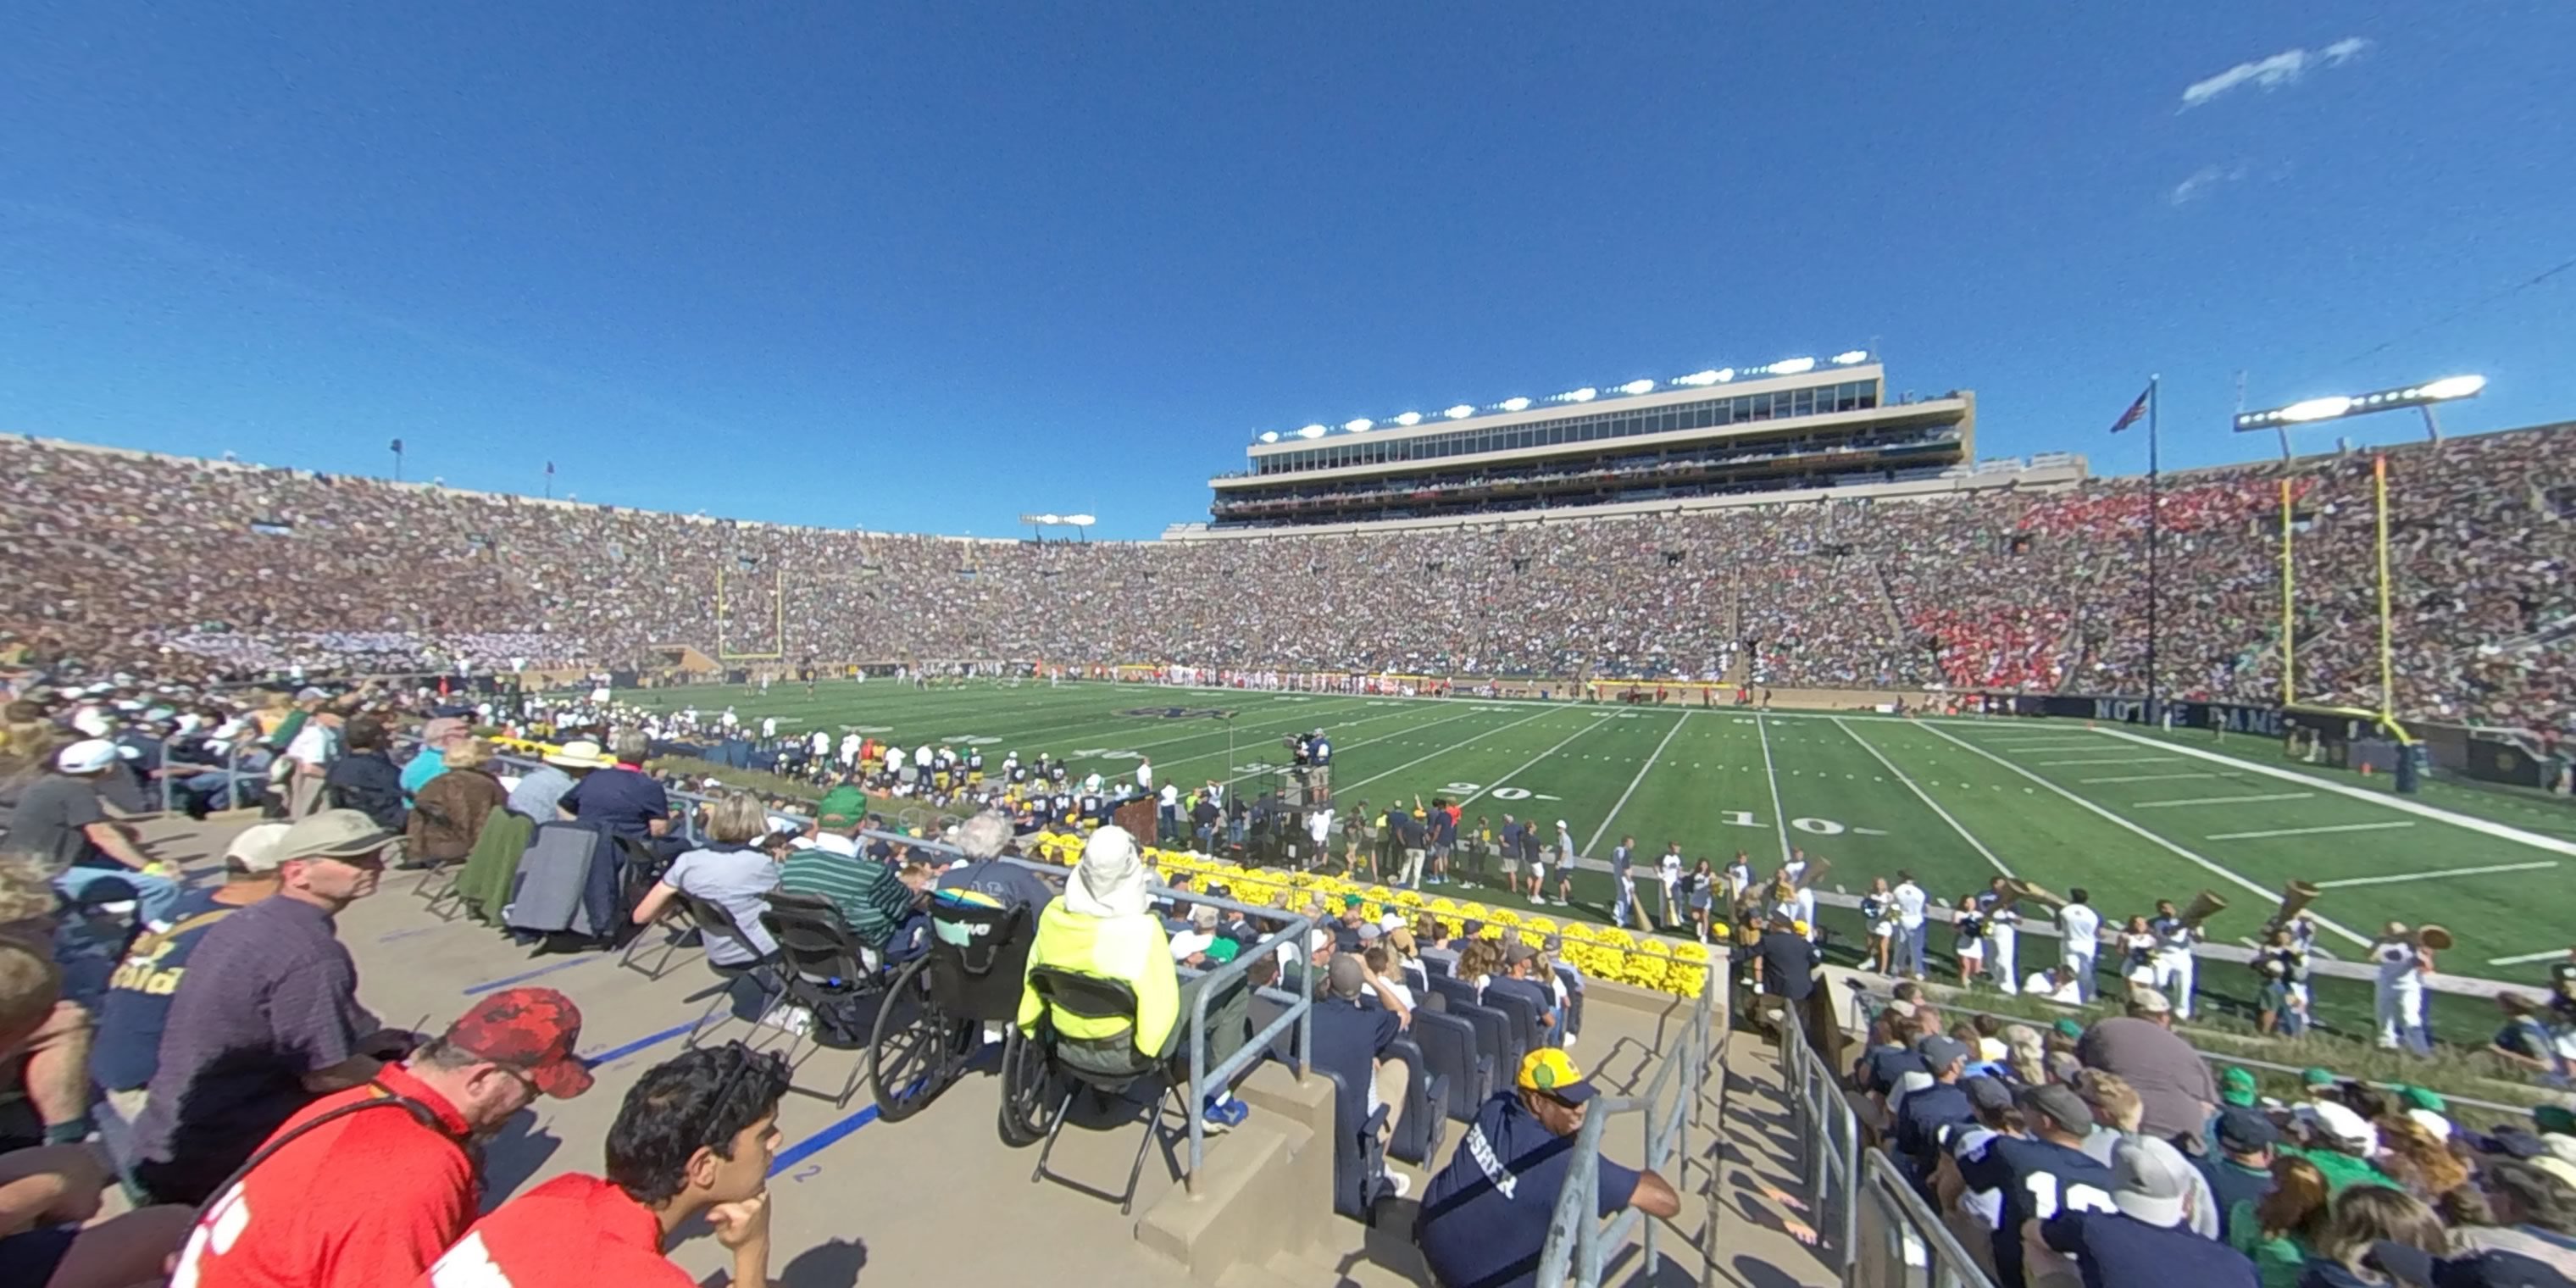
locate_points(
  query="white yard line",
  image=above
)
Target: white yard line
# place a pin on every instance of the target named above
(2446, 872)
(2564, 849)
(2227, 874)
(2143, 778)
(1339, 788)
(2527, 958)
(1935, 806)
(1532, 761)
(2224, 800)
(2094, 745)
(1779, 819)
(2307, 831)
(2100, 760)
(1622, 803)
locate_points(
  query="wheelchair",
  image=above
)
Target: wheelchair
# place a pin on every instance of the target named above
(930, 1022)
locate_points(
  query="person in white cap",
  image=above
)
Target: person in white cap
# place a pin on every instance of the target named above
(127, 1047)
(90, 857)
(1104, 926)
(2147, 1241)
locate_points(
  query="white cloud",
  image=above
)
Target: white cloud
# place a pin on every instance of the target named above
(2201, 182)
(2284, 68)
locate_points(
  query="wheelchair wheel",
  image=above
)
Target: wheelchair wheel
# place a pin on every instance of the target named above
(1024, 1090)
(912, 1052)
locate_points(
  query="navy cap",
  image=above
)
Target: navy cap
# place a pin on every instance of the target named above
(1940, 1052)
(2242, 1130)
(1988, 1094)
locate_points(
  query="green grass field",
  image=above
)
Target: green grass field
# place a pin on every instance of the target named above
(2132, 818)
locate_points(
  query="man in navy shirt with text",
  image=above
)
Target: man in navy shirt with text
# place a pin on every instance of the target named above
(1485, 1216)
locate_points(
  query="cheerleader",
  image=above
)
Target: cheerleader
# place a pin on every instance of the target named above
(1703, 896)
(1878, 911)
(2138, 945)
(1971, 921)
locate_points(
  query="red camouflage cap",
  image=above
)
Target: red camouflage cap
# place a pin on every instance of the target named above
(533, 1030)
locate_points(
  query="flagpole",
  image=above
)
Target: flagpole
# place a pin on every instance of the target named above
(2155, 504)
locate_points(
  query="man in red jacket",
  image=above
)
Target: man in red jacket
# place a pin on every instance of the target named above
(366, 1187)
(695, 1137)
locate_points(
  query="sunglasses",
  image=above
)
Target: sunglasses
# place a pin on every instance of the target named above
(771, 1065)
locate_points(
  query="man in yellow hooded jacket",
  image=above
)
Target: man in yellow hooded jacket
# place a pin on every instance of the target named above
(1105, 926)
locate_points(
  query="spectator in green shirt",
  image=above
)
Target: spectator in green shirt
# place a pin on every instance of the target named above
(873, 900)
(2280, 1229)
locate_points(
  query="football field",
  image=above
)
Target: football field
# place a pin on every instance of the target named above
(2131, 817)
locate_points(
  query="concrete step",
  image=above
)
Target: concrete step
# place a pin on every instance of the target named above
(1765, 1233)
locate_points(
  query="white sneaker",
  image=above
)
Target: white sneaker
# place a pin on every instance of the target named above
(1397, 1185)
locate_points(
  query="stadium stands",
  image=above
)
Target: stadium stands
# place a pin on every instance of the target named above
(207, 569)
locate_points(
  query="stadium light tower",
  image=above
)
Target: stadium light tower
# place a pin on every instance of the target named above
(1039, 523)
(2312, 411)
(2344, 406)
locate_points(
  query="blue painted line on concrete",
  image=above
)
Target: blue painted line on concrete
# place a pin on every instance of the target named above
(616, 1053)
(821, 1140)
(507, 980)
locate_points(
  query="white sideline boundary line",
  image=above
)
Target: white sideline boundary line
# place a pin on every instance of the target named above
(1779, 819)
(1587, 728)
(2100, 760)
(2309, 831)
(2225, 800)
(1339, 788)
(1382, 738)
(2501, 831)
(2039, 746)
(2143, 778)
(1622, 803)
(2230, 875)
(1935, 806)
(2449, 872)
(1260, 735)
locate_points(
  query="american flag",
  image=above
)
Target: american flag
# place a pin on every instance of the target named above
(2137, 411)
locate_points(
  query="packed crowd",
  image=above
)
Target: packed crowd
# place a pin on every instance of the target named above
(207, 569)
(205, 1048)
(2113, 1155)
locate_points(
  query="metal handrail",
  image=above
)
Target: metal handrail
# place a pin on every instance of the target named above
(1903, 1227)
(1300, 1009)
(1576, 1234)
(1829, 1130)
(168, 784)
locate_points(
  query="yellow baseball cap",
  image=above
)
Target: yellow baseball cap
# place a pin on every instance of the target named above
(1550, 1071)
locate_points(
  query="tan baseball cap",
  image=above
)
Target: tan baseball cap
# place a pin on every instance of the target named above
(257, 849)
(333, 834)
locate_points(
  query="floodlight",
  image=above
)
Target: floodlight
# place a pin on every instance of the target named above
(1634, 387)
(1460, 412)
(1725, 374)
(2337, 406)
(1050, 520)
(1850, 356)
(1697, 378)
(1360, 426)
(1311, 431)
(1079, 520)
(1585, 394)
(1792, 367)
(1514, 404)
(1409, 419)
(2316, 409)
(1271, 436)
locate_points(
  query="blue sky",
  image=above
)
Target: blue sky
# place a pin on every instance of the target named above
(926, 267)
